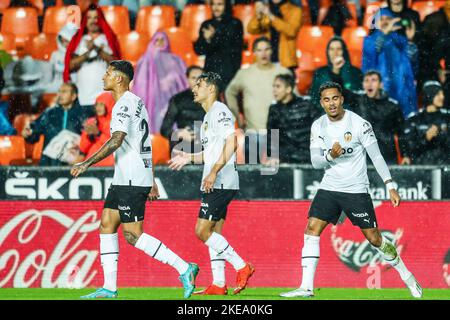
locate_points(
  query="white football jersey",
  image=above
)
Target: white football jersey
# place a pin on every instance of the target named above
(217, 125)
(347, 173)
(133, 159)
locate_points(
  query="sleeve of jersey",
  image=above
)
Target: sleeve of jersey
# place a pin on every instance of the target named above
(378, 161)
(316, 147)
(121, 119)
(366, 134)
(225, 124)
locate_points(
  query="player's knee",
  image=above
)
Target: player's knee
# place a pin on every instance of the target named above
(374, 239)
(312, 229)
(202, 233)
(131, 237)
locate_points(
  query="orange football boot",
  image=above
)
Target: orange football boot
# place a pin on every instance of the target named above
(213, 290)
(242, 277)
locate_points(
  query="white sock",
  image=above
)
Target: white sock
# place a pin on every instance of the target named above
(391, 256)
(156, 249)
(109, 255)
(218, 268)
(219, 244)
(310, 258)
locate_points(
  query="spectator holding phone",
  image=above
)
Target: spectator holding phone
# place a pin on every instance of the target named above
(408, 17)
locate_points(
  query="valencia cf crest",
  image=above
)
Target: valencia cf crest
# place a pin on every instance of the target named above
(348, 136)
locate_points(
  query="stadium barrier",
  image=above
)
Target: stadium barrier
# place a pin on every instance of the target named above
(53, 244)
(288, 182)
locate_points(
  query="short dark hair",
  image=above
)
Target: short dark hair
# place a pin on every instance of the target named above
(212, 78)
(260, 39)
(72, 86)
(123, 66)
(373, 73)
(287, 79)
(192, 68)
(330, 85)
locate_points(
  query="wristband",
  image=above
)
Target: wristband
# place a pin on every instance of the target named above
(328, 157)
(390, 186)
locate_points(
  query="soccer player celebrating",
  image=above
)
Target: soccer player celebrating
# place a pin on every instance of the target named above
(340, 140)
(220, 183)
(133, 183)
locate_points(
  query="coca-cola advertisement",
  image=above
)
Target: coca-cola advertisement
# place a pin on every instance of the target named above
(55, 244)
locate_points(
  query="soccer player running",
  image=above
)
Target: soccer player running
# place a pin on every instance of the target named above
(220, 183)
(133, 183)
(340, 140)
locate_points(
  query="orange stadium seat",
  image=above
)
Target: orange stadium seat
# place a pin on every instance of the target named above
(247, 58)
(244, 12)
(4, 4)
(152, 18)
(306, 61)
(133, 45)
(36, 152)
(21, 22)
(12, 148)
(306, 14)
(181, 45)
(354, 37)
(54, 19)
(42, 46)
(118, 18)
(39, 5)
(192, 18)
(426, 7)
(8, 42)
(314, 39)
(160, 149)
(304, 80)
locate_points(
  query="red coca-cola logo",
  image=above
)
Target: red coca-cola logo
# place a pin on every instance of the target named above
(357, 255)
(47, 249)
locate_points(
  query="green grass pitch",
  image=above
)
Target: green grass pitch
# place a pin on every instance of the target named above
(248, 294)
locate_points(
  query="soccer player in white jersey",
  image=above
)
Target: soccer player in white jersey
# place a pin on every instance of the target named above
(340, 140)
(133, 183)
(220, 183)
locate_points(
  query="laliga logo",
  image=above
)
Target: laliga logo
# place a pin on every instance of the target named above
(356, 255)
(25, 271)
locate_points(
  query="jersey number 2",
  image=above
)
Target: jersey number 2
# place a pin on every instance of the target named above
(144, 127)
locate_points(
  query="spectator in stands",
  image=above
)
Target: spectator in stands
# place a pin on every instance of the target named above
(182, 114)
(407, 15)
(281, 21)
(96, 130)
(426, 138)
(88, 54)
(57, 58)
(340, 70)
(383, 112)
(337, 16)
(293, 117)
(159, 76)
(395, 57)
(314, 6)
(60, 125)
(28, 77)
(6, 128)
(255, 85)
(221, 41)
(434, 45)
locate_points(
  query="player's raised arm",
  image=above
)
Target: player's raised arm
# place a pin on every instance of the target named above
(107, 149)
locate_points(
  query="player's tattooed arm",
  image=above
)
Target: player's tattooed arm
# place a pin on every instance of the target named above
(106, 150)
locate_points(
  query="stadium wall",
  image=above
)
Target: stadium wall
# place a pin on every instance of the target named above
(55, 244)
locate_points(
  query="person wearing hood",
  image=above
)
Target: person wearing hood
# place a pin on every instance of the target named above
(221, 40)
(340, 70)
(434, 45)
(426, 137)
(57, 58)
(395, 57)
(383, 112)
(159, 75)
(67, 115)
(88, 54)
(407, 15)
(280, 21)
(96, 129)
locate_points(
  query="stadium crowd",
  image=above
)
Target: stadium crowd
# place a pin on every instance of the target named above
(268, 54)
